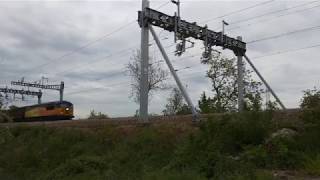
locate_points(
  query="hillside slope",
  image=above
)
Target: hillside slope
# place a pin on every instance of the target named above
(233, 146)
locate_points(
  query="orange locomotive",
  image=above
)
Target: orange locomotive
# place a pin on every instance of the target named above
(60, 110)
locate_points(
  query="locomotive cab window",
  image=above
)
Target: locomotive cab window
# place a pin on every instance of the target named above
(50, 107)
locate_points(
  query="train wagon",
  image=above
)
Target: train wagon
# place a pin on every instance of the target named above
(59, 110)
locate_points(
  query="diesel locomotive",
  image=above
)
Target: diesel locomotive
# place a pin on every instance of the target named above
(59, 110)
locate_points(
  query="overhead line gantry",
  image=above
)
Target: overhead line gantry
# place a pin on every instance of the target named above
(148, 18)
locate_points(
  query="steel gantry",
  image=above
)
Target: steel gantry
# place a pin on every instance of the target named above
(148, 17)
(59, 87)
(22, 92)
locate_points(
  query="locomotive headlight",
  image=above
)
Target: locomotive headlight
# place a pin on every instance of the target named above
(67, 109)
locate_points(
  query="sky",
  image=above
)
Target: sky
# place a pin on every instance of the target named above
(87, 44)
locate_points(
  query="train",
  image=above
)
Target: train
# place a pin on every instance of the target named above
(57, 110)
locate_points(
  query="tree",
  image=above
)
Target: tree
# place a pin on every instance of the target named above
(223, 75)
(176, 105)
(99, 115)
(156, 76)
(271, 106)
(1, 101)
(206, 104)
(310, 99)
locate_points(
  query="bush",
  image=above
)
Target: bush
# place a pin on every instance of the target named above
(215, 150)
(226, 147)
(312, 165)
(4, 118)
(99, 115)
(173, 175)
(80, 167)
(310, 105)
(282, 153)
(256, 155)
(310, 99)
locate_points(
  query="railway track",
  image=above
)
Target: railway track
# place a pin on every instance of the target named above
(291, 114)
(100, 123)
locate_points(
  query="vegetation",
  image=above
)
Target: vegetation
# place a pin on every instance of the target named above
(156, 76)
(228, 147)
(4, 118)
(311, 99)
(232, 146)
(99, 115)
(223, 74)
(176, 104)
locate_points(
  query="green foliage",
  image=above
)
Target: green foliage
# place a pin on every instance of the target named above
(283, 154)
(173, 175)
(80, 167)
(207, 105)
(1, 102)
(4, 118)
(310, 104)
(230, 146)
(311, 99)
(204, 104)
(176, 105)
(312, 165)
(271, 106)
(184, 110)
(99, 115)
(215, 150)
(253, 102)
(223, 75)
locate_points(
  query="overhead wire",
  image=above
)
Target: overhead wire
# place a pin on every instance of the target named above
(90, 43)
(287, 51)
(99, 88)
(270, 13)
(237, 11)
(272, 18)
(120, 52)
(189, 74)
(284, 34)
(84, 46)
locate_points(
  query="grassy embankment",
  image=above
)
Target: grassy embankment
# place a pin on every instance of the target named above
(228, 147)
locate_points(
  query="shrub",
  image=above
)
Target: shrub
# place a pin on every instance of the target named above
(4, 118)
(214, 151)
(99, 115)
(173, 175)
(312, 165)
(283, 153)
(310, 99)
(308, 139)
(256, 155)
(310, 104)
(79, 167)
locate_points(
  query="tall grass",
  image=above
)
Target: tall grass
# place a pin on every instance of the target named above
(233, 146)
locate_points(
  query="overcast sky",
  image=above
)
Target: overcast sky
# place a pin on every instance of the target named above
(72, 42)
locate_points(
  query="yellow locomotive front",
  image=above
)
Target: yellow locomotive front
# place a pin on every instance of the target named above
(50, 111)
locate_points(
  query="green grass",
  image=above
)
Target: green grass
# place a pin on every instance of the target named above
(233, 147)
(312, 165)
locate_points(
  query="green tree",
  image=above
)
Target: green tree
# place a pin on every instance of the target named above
(1, 101)
(176, 105)
(223, 75)
(206, 104)
(97, 115)
(310, 99)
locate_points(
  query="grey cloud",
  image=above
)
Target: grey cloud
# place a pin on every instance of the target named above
(34, 33)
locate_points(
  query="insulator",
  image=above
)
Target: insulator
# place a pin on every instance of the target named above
(179, 49)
